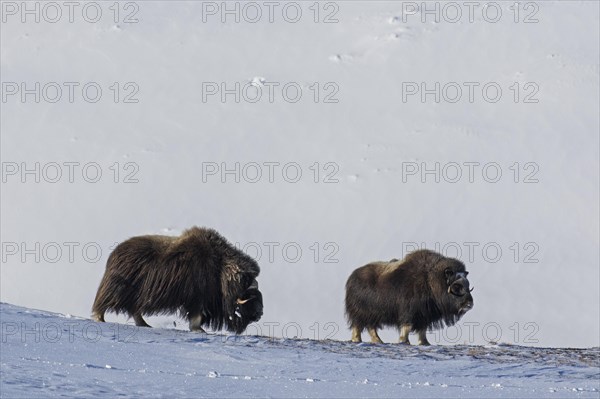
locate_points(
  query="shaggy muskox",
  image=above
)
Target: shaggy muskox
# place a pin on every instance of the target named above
(424, 291)
(198, 274)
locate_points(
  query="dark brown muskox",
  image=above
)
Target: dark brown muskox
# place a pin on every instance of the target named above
(198, 274)
(424, 291)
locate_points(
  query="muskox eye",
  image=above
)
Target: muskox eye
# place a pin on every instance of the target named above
(448, 273)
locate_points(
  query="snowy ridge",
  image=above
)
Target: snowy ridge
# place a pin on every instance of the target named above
(51, 355)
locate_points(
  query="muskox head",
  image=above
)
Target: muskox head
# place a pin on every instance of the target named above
(248, 309)
(457, 298)
(459, 289)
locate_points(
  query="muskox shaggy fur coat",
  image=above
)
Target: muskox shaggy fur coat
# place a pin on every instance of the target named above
(425, 290)
(198, 274)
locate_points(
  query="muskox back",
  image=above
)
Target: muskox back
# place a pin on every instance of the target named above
(199, 274)
(420, 292)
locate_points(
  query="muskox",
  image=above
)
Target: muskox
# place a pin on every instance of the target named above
(199, 274)
(423, 291)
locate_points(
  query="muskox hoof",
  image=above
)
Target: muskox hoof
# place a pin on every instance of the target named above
(196, 324)
(374, 336)
(356, 334)
(423, 338)
(139, 321)
(98, 317)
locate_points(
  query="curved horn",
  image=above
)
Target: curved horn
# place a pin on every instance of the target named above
(241, 301)
(471, 290)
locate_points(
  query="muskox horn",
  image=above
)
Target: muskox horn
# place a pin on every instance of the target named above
(242, 301)
(471, 290)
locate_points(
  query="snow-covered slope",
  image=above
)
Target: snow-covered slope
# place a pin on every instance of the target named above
(368, 202)
(50, 355)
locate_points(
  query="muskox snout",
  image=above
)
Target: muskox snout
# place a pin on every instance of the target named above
(468, 305)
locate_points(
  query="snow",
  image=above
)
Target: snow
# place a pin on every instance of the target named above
(154, 155)
(48, 355)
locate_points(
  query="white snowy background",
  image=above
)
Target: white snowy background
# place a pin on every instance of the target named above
(357, 199)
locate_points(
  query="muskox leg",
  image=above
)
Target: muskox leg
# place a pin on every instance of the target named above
(356, 332)
(196, 323)
(139, 320)
(374, 337)
(404, 331)
(423, 337)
